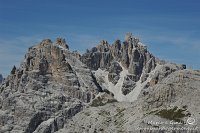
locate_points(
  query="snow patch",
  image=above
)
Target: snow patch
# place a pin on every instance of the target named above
(116, 89)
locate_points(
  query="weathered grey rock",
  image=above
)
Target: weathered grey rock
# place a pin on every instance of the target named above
(128, 85)
(49, 126)
(48, 82)
(56, 123)
(136, 64)
(99, 57)
(133, 56)
(125, 57)
(114, 72)
(174, 88)
(103, 46)
(176, 96)
(61, 42)
(116, 50)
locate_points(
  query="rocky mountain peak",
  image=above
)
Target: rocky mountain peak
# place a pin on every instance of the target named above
(132, 55)
(128, 36)
(103, 46)
(50, 79)
(46, 42)
(61, 42)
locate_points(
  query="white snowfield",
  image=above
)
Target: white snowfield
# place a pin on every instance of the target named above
(117, 89)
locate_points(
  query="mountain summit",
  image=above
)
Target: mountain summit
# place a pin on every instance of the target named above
(125, 67)
(119, 87)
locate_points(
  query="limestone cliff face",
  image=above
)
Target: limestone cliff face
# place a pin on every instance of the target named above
(166, 107)
(50, 82)
(52, 62)
(132, 55)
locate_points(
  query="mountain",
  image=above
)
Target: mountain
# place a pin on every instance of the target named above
(119, 87)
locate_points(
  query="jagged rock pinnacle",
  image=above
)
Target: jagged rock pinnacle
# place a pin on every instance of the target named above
(61, 42)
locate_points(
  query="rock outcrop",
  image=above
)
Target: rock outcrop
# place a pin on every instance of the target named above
(131, 55)
(45, 89)
(172, 106)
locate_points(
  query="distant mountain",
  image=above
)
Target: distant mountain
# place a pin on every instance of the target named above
(119, 87)
(1, 78)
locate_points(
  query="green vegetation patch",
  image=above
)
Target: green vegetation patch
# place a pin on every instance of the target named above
(99, 101)
(173, 114)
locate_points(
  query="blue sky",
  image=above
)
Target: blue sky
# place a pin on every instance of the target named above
(170, 28)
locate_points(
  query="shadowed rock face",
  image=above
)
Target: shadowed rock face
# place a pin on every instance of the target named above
(1, 78)
(114, 72)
